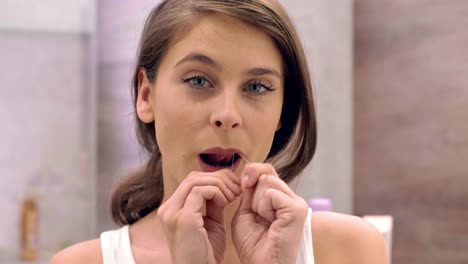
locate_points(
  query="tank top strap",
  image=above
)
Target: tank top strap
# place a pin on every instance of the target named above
(116, 248)
(306, 249)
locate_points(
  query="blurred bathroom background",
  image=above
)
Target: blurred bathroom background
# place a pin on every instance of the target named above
(390, 79)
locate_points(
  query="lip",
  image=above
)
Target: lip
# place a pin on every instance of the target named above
(224, 151)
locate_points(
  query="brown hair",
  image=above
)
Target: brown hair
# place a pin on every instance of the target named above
(294, 143)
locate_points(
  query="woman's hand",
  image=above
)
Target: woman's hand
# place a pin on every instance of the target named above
(268, 225)
(192, 236)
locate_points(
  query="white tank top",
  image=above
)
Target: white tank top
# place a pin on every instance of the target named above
(116, 248)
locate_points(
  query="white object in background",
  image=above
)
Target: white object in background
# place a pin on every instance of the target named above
(383, 223)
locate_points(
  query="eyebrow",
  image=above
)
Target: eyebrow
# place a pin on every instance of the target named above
(263, 71)
(198, 57)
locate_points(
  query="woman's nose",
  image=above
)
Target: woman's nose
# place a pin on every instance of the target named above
(226, 115)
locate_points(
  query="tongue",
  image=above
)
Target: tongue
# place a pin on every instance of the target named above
(219, 159)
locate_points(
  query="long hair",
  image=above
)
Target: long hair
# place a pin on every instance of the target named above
(294, 143)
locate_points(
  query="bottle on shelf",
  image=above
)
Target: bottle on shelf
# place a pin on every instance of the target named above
(28, 230)
(320, 204)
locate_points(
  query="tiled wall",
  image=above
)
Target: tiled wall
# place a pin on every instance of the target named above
(67, 17)
(411, 124)
(46, 137)
(119, 24)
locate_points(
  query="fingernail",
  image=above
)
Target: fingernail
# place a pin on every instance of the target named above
(244, 181)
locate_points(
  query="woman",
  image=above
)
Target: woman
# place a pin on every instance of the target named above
(224, 109)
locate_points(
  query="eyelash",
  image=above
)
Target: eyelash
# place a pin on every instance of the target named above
(195, 76)
(268, 87)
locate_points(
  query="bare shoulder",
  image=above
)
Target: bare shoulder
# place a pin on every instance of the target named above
(83, 252)
(341, 238)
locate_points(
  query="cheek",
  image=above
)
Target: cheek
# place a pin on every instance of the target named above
(262, 140)
(175, 118)
(166, 113)
(263, 128)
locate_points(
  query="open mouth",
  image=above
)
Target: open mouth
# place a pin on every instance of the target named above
(217, 159)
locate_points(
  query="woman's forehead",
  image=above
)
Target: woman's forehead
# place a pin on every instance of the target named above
(220, 39)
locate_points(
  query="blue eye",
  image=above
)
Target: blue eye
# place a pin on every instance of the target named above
(259, 88)
(196, 81)
(256, 88)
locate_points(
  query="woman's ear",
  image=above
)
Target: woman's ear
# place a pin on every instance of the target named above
(144, 104)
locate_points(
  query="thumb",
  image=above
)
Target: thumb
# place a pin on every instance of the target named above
(245, 206)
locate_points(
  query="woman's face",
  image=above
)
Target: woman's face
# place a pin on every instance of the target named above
(218, 91)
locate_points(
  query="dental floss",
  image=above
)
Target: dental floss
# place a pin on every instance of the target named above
(246, 161)
(232, 165)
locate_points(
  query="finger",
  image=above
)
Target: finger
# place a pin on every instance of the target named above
(214, 212)
(233, 183)
(180, 195)
(278, 200)
(199, 195)
(264, 183)
(269, 187)
(286, 207)
(252, 172)
(231, 175)
(245, 206)
(215, 229)
(277, 183)
(265, 208)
